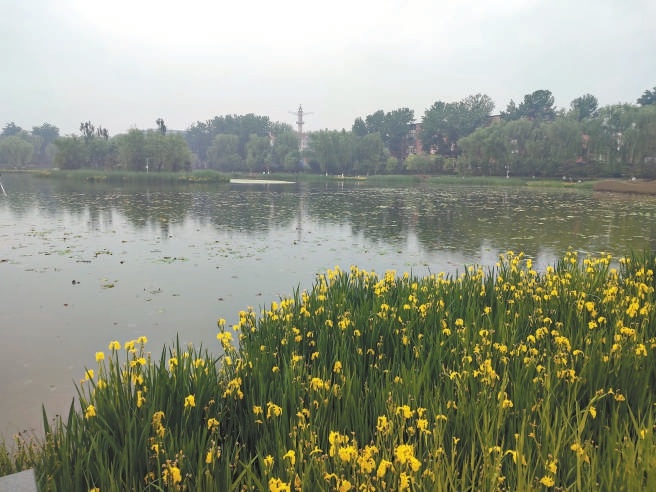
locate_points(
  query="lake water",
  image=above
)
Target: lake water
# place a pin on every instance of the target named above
(81, 265)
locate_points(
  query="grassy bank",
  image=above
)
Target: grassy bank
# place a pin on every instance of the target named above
(132, 177)
(508, 379)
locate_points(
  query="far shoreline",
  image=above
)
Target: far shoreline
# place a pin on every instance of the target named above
(205, 176)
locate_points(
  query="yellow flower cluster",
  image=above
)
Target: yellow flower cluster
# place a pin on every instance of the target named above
(397, 383)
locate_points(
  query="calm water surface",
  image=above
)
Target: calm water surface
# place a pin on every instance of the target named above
(83, 265)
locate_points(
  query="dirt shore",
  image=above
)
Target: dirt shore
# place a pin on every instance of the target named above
(624, 186)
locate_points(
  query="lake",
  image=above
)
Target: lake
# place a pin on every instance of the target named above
(82, 265)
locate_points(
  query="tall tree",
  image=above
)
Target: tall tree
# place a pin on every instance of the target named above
(511, 113)
(46, 131)
(258, 153)
(284, 150)
(15, 152)
(359, 127)
(648, 97)
(397, 126)
(174, 153)
(71, 153)
(539, 105)
(132, 150)
(223, 154)
(102, 132)
(199, 137)
(322, 151)
(11, 129)
(87, 130)
(376, 122)
(583, 107)
(161, 126)
(445, 123)
(48, 134)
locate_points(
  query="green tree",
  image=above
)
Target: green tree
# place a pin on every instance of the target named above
(278, 128)
(446, 123)
(511, 113)
(370, 154)
(178, 156)
(199, 137)
(155, 150)
(322, 151)
(132, 150)
(376, 122)
(258, 153)
(648, 97)
(608, 137)
(48, 134)
(102, 132)
(638, 150)
(11, 129)
(393, 128)
(87, 130)
(15, 152)
(485, 151)
(584, 107)
(397, 126)
(334, 152)
(223, 153)
(539, 105)
(510, 148)
(359, 127)
(102, 153)
(241, 125)
(71, 153)
(166, 152)
(161, 126)
(422, 164)
(284, 151)
(563, 149)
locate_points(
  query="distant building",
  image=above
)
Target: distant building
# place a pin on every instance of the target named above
(413, 139)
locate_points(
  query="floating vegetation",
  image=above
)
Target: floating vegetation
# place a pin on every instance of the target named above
(171, 259)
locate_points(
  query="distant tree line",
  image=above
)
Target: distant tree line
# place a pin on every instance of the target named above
(20, 148)
(244, 143)
(529, 138)
(534, 139)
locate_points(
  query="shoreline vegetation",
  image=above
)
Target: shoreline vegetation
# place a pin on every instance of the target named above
(633, 186)
(132, 177)
(504, 379)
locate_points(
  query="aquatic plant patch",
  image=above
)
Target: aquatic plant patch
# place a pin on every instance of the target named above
(505, 379)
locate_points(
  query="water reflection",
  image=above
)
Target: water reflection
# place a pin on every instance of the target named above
(461, 218)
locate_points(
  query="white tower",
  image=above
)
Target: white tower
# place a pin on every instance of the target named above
(302, 138)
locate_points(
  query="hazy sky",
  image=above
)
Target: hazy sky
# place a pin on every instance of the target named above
(124, 63)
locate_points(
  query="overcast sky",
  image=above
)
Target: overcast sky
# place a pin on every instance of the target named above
(124, 63)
